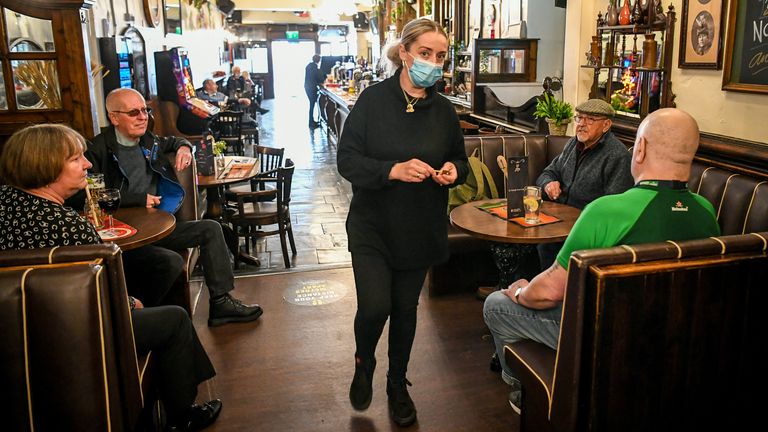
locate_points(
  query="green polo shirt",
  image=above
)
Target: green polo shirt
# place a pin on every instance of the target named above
(652, 211)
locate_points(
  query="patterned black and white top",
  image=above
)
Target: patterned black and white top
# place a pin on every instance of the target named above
(30, 222)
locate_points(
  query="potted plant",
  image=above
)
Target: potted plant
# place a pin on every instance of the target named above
(218, 151)
(557, 113)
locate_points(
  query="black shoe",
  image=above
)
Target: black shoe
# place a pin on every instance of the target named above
(314, 125)
(495, 363)
(227, 309)
(401, 407)
(262, 110)
(199, 417)
(361, 390)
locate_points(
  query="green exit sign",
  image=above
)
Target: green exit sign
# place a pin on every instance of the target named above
(292, 34)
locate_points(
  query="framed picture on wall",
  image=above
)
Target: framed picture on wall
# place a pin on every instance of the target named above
(746, 47)
(701, 31)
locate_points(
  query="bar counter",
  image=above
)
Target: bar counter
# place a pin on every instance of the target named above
(335, 105)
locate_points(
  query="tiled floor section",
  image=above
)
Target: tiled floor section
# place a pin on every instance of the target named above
(319, 197)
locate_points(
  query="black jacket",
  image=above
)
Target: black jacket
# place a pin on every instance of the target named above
(313, 77)
(404, 222)
(102, 153)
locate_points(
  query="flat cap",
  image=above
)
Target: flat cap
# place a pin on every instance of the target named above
(596, 107)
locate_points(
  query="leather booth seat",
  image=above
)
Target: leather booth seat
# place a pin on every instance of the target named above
(661, 336)
(191, 209)
(68, 359)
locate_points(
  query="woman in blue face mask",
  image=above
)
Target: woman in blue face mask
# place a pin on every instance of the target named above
(401, 148)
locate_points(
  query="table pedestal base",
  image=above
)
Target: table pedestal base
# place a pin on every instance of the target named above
(513, 262)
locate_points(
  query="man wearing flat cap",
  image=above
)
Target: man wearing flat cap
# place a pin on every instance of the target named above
(593, 163)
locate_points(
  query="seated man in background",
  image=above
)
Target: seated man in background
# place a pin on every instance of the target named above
(236, 87)
(211, 94)
(134, 160)
(43, 165)
(594, 163)
(659, 207)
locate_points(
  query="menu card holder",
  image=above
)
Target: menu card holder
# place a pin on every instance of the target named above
(206, 165)
(517, 180)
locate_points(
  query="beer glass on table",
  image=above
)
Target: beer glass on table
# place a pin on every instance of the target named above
(532, 204)
(109, 202)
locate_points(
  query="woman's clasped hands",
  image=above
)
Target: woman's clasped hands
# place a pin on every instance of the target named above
(416, 171)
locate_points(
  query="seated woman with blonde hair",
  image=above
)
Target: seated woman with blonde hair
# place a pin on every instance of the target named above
(42, 166)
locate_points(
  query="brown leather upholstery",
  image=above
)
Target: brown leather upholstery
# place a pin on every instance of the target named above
(740, 200)
(191, 209)
(653, 334)
(68, 358)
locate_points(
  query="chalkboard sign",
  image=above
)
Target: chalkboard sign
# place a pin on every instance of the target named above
(746, 55)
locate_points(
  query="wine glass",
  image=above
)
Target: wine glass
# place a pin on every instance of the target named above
(109, 202)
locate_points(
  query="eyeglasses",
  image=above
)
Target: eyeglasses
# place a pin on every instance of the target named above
(589, 121)
(136, 111)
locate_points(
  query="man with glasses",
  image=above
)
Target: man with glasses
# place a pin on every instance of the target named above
(593, 163)
(137, 162)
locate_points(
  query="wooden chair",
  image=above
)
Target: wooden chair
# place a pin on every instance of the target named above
(252, 214)
(68, 358)
(270, 159)
(227, 127)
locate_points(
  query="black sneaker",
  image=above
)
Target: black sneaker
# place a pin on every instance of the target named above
(227, 309)
(361, 390)
(401, 407)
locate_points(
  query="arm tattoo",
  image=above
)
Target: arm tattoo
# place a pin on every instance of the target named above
(552, 269)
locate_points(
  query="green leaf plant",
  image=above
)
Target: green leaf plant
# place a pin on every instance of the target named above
(548, 107)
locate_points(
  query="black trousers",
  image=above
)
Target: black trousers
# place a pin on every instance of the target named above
(384, 292)
(182, 362)
(151, 270)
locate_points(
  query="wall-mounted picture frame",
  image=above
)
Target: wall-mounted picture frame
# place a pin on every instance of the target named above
(746, 47)
(701, 34)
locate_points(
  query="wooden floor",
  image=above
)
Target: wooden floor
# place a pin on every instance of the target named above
(291, 370)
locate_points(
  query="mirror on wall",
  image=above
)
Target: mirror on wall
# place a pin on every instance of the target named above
(172, 16)
(28, 34)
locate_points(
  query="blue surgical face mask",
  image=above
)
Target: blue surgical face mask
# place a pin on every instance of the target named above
(424, 73)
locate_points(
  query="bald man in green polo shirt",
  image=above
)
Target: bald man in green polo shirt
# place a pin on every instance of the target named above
(659, 207)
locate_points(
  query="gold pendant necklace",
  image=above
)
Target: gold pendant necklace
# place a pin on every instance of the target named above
(409, 103)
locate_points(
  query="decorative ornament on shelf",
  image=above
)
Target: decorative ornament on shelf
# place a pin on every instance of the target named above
(625, 14)
(612, 14)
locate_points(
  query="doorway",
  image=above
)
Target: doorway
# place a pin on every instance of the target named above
(288, 62)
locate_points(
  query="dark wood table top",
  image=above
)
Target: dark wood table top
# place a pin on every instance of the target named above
(478, 223)
(151, 225)
(215, 181)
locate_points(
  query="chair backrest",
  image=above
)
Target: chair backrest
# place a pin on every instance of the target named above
(284, 180)
(227, 124)
(653, 333)
(270, 158)
(68, 359)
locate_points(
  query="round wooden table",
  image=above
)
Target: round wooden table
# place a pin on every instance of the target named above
(151, 225)
(478, 223)
(214, 184)
(512, 243)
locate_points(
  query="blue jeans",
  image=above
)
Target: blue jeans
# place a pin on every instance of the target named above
(510, 322)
